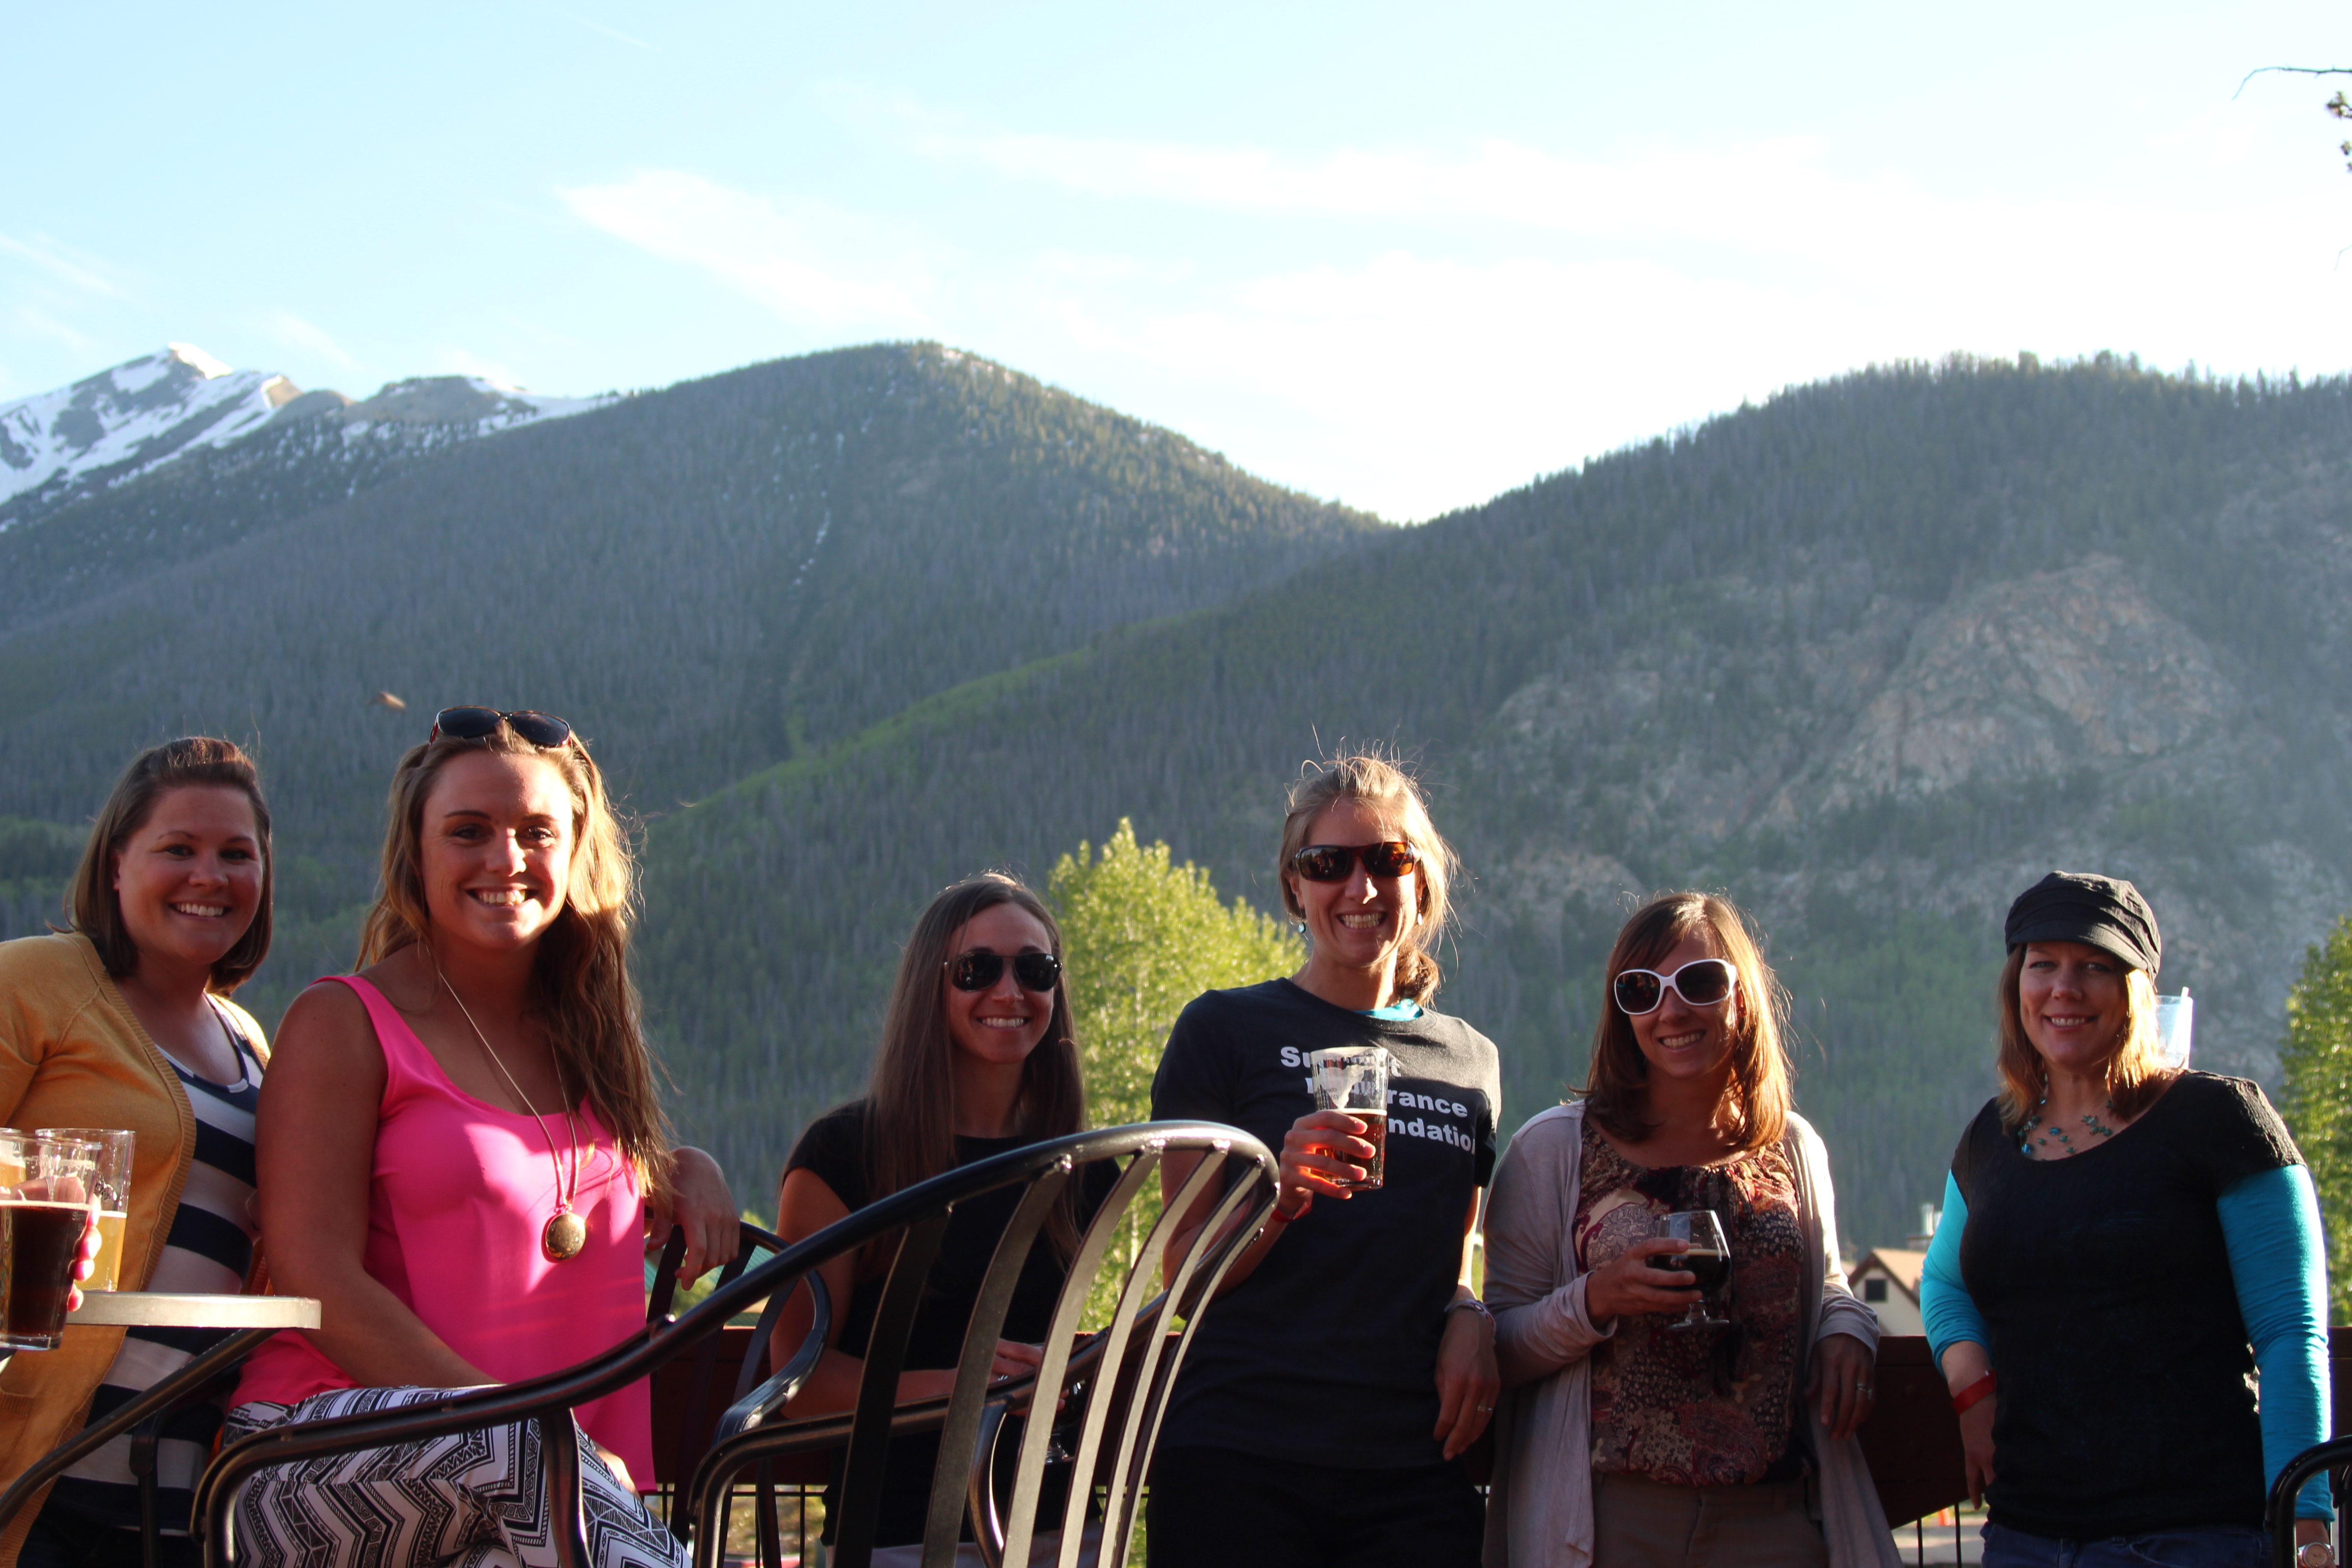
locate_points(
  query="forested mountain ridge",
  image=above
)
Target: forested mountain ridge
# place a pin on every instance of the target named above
(1870, 657)
(707, 579)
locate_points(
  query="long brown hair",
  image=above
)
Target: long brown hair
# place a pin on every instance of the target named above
(1380, 786)
(1755, 1107)
(92, 906)
(583, 994)
(910, 1111)
(2137, 1072)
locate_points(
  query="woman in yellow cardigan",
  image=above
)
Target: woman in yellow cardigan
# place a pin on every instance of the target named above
(124, 1021)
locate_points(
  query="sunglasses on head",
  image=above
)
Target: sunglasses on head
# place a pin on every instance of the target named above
(477, 723)
(979, 968)
(1701, 982)
(1333, 862)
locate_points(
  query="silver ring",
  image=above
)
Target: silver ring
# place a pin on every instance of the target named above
(1864, 1388)
(1486, 1410)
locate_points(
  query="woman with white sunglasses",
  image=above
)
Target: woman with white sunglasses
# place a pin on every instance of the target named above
(1648, 1422)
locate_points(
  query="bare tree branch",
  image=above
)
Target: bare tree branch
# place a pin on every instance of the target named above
(2298, 71)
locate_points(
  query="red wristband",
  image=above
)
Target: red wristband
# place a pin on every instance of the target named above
(1979, 1390)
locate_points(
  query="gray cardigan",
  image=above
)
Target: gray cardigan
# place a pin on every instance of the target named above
(1539, 1510)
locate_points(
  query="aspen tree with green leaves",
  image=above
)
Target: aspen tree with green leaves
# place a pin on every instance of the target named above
(2317, 1062)
(1141, 936)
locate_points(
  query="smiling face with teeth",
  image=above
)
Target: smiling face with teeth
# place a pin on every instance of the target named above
(188, 880)
(997, 1026)
(2070, 1004)
(496, 845)
(1359, 925)
(1678, 1040)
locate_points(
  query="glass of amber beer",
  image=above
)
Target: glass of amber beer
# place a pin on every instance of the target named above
(110, 1184)
(45, 1206)
(1355, 1079)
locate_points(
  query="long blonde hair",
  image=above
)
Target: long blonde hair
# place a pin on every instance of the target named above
(1755, 1109)
(2137, 1072)
(583, 994)
(909, 1104)
(1382, 788)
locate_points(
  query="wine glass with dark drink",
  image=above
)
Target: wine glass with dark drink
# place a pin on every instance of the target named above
(1709, 1258)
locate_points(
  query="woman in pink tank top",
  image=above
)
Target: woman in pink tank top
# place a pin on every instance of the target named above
(462, 1156)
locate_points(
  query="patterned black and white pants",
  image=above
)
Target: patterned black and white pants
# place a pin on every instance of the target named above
(474, 1499)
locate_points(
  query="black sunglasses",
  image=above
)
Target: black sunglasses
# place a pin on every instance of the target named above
(979, 968)
(1702, 983)
(1333, 862)
(476, 723)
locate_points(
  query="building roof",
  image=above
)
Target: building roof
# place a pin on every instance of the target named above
(1898, 1264)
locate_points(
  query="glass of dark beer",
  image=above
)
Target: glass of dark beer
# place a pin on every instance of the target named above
(47, 1191)
(1709, 1258)
(1355, 1080)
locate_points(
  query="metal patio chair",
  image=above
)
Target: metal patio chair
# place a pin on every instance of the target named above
(212, 1375)
(1110, 1455)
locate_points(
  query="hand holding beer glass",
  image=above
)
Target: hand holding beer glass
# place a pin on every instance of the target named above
(1339, 1149)
(48, 1235)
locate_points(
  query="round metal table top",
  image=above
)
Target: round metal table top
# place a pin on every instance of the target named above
(169, 1309)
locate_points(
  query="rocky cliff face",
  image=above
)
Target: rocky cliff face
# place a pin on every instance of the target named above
(2099, 729)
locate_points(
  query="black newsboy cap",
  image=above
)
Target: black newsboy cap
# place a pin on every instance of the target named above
(2080, 906)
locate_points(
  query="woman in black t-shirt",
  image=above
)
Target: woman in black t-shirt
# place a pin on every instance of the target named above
(977, 1058)
(2123, 1243)
(1325, 1402)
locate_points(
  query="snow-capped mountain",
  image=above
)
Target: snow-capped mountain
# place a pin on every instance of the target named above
(123, 421)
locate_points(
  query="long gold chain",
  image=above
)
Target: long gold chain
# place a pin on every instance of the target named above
(563, 1195)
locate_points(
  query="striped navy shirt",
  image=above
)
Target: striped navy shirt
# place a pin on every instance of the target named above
(209, 1251)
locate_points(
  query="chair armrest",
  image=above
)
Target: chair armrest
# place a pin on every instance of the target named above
(754, 1409)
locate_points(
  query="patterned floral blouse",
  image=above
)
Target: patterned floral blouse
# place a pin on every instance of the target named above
(1706, 1406)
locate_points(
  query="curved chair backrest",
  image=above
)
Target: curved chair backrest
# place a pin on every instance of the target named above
(694, 1427)
(1232, 1167)
(1112, 1386)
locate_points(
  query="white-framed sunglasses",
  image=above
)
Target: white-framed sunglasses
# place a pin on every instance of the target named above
(1701, 982)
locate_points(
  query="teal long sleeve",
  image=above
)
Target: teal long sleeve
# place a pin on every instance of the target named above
(1944, 1302)
(2270, 1223)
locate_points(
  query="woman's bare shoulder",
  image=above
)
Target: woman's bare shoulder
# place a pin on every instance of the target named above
(329, 1020)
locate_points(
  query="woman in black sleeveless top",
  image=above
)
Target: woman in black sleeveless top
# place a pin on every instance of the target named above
(2123, 1243)
(977, 1058)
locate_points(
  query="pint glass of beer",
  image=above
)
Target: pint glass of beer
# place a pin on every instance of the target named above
(110, 1184)
(43, 1213)
(1355, 1080)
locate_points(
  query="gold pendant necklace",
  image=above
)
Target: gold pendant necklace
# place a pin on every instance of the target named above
(565, 1233)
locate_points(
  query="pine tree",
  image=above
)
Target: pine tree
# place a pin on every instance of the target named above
(1141, 936)
(2318, 1061)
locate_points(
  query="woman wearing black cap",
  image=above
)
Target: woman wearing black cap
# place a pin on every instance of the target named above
(2124, 1244)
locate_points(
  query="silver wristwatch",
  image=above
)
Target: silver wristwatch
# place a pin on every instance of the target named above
(2314, 1554)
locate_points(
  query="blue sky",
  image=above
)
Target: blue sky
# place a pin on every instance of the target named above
(1404, 256)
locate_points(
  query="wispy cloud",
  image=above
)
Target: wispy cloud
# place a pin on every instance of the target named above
(63, 263)
(294, 332)
(42, 324)
(1779, 196)
(612, 33)
(808, 262)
